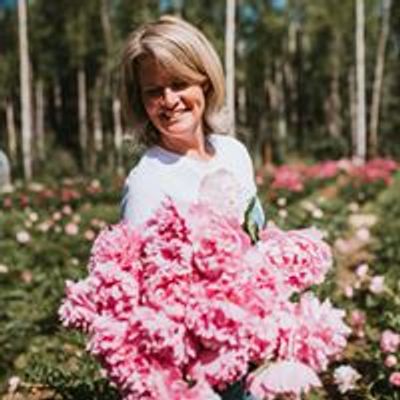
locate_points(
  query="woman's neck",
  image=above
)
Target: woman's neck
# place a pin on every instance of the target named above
(197, 147)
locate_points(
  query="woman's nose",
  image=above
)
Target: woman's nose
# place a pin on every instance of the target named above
(170, 98)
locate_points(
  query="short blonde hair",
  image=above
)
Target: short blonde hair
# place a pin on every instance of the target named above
(187, 54)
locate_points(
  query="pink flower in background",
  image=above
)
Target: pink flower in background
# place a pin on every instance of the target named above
(394, 379)
(323, 170)
(89, 235)
(377, 284)
(283, 378)
(71, 229)
(357, 322)
(390, 341)
(289, 178)
(390, 361)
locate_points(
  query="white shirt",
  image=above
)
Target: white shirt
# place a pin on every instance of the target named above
(161, 174)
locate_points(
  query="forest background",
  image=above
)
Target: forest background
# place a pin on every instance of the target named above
(315, 79)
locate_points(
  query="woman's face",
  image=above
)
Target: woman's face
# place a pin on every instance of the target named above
(173, 106)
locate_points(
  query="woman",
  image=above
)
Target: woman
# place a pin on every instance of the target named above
(173, 96)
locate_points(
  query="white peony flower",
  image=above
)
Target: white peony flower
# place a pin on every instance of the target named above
(345, 378)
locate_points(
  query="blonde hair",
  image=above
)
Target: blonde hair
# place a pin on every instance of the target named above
(187, 54)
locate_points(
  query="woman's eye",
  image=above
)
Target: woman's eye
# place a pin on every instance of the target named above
(153, 92)
(179, 85)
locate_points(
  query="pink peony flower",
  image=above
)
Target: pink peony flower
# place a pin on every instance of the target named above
(300, 256)
(390, 361)
(287, 177)
(394, 379)
(220, 367)
(283, 378)
(71, 229)
(78, 309)
(390, 341)
(220, 191)
(120, 244)
(218, 243)
(313, 332)
(13, 383)
(377, 284)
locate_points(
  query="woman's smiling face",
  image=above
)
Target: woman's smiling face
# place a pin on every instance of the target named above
(174, 106)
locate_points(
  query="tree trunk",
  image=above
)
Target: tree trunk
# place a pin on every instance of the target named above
(333, 103)
(360, 78)
(378, 79)
(82, 115)
(281, 110)
(299, 88)
(353, 109)
(230, 63)
(116, 106)
(242, 104)
(11, 131)
(26, 96)
(39, 123)
(97, 120)
(58, 104)
(108, 40)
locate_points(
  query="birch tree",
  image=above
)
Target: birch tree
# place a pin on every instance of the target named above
(378, 79)
(25, 96)
(230, 63)
(360, 80)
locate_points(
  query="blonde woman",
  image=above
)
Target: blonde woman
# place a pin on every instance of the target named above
(173, 96)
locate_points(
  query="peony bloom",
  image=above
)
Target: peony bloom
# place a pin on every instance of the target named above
(362, 271)
(390, 341)
(13, 384)
(283, 378)
(218, 243)
(313, 332)
(288, 178)
(220, 191)
(119, 244)
(345, 377)
(185, 305)
(357, 322)
(390, 361)
(394, 379)
(377, 284)
(301, 256)
(71, 229)
(23, 237)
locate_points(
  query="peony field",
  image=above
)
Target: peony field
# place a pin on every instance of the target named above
(308, 308)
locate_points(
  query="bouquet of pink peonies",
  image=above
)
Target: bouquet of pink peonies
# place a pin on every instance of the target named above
(187, 305)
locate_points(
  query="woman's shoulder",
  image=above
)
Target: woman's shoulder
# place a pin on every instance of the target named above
(145, 169)
(227, 143)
